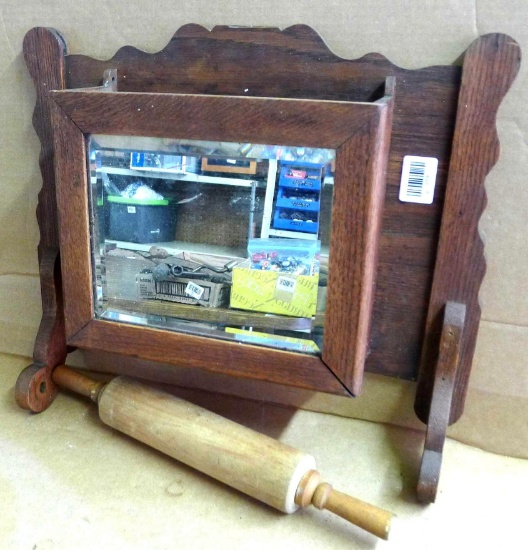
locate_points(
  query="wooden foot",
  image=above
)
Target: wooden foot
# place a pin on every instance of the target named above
(34, 389)
(442, 396)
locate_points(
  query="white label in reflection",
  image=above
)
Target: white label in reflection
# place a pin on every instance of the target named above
(286, 283)
(194, 290)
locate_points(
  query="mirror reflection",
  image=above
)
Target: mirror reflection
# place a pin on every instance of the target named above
(227, 240)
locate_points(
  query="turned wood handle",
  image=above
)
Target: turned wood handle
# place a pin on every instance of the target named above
(371, 518)
(72, 380)
(323, 496)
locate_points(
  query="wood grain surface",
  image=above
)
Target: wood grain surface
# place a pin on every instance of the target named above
(272, 121)
(44, 53)
(256, 464)
(231, 358)
(74, 220)
(253, 463)
(359, 192)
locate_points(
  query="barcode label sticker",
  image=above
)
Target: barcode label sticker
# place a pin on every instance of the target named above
(194, 291)
(285, 288)
(286, 284)
(418, 179)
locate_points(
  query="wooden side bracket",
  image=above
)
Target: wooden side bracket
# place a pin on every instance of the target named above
(44, 52)
(490, 66)
(442, 398)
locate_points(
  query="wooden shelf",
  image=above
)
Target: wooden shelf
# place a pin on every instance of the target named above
(220, 316)
(177, 247)
(179, 176)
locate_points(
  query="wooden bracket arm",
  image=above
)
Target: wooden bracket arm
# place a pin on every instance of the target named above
(441, 401)
(490, 66)
(44, 52)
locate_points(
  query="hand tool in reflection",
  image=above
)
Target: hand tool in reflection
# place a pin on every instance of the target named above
(253, 463)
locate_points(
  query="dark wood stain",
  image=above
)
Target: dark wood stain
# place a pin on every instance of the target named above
(490, 66)
(359, 131)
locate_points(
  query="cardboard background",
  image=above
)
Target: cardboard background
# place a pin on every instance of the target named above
(409, 34)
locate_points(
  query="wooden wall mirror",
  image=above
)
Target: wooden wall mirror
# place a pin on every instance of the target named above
(223, 129)
(191, 283)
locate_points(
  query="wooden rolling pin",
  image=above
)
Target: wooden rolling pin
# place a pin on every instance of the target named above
(253, 463)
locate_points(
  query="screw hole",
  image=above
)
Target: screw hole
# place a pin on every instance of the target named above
(42, 387)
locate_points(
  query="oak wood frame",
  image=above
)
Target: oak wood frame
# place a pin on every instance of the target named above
(359, 132)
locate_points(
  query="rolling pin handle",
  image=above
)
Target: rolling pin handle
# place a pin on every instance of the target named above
(72, 380)
(324, 497)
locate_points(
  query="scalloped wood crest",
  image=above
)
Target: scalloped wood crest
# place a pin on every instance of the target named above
(225, 51)
(290, 37)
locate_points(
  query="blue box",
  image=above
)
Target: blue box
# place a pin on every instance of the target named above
(289, 175)
(300, 183)
(288, 199)
(294, 225)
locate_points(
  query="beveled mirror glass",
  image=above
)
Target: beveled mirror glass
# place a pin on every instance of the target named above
(220, 239)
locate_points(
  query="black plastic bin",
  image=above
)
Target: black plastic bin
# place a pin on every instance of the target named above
(140, 221)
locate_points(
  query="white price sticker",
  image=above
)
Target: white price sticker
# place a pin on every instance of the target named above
(286, 284)
(194, 291)
(418, 179)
